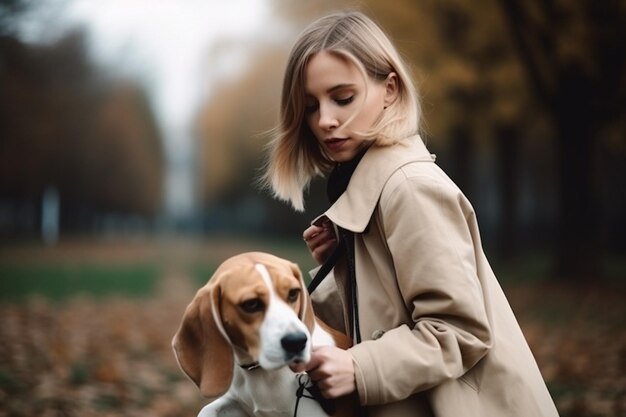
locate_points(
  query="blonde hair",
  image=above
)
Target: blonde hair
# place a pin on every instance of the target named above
(295, 156)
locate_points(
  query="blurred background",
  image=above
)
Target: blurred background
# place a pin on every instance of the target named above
(132, 133)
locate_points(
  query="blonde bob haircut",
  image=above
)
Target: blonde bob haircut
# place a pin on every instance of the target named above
(295, 156)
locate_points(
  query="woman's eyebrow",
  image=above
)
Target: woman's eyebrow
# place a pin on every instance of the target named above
(340, 87)
(332, 89)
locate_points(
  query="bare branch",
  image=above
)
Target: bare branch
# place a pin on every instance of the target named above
(521, 30)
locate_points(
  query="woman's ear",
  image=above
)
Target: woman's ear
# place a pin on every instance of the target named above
(391, 89)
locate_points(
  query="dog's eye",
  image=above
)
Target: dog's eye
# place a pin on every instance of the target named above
(252, 306)
(293, 294)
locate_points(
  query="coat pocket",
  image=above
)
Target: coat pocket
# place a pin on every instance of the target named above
(473, 377)
(469, 381)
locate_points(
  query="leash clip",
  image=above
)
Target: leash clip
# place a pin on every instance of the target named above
(312, 393)
(303, 380)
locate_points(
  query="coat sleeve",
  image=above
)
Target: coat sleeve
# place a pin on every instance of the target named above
(428, 226)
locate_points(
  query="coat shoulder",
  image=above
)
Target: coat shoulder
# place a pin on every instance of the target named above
(419, 178)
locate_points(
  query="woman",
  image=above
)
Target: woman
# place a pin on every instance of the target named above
(433, 332)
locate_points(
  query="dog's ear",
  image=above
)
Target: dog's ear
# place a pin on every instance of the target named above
(306, 313)
(201, 347)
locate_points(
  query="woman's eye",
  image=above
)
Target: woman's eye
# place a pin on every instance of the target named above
(253, 305)
(310, 108)
(344, 101)
(293, 294)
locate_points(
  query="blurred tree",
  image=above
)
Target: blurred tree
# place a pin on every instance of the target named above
(234, 126)
(477, 104)
(62, 126)
(473, 92)
(574, 55)
(126, 155)
(233, 129)
(233, 122)
(301, 13)
(479, 82)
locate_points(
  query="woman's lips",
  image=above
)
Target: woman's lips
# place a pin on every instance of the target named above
(335, 144)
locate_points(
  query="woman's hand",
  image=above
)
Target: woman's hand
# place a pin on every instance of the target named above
(331, 369)
(320, 239)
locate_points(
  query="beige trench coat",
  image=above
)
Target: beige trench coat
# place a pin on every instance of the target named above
(438, 335)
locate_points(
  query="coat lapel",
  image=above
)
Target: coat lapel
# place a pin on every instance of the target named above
(353, 210)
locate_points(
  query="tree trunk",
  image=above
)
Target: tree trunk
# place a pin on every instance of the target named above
(462, 157)
(577, 254)
(507, 144)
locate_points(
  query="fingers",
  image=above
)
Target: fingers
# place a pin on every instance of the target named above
(320, 240)
(297, 368)
(314, 362)
(332, 370)
(312, 232)
(321, 252)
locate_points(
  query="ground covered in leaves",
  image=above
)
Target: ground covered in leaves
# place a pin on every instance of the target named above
(94, 357)
(110, 355)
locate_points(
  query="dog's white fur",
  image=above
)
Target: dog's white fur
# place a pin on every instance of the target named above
(281, 320)
(269, 390)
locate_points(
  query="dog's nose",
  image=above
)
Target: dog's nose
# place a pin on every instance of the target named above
(294, 342)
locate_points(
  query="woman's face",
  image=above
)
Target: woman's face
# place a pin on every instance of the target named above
(335, 90)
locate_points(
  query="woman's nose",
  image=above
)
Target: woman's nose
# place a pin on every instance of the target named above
(327, 120)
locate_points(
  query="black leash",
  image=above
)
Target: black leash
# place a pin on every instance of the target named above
(344, 246)
(348, 238)
(312, 393)
(326, 267)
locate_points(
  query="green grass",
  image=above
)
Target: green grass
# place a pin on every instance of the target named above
(58, 281)
(201, 272)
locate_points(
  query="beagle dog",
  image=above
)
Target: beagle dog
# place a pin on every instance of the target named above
(242, 330)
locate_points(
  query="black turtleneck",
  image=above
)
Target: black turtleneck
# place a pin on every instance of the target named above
(340, 177)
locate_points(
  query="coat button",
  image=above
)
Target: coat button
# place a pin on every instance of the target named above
(377, 334)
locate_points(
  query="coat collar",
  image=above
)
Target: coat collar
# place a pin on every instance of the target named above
(353, 210)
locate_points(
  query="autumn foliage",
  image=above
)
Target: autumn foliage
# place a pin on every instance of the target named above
(110, 356)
